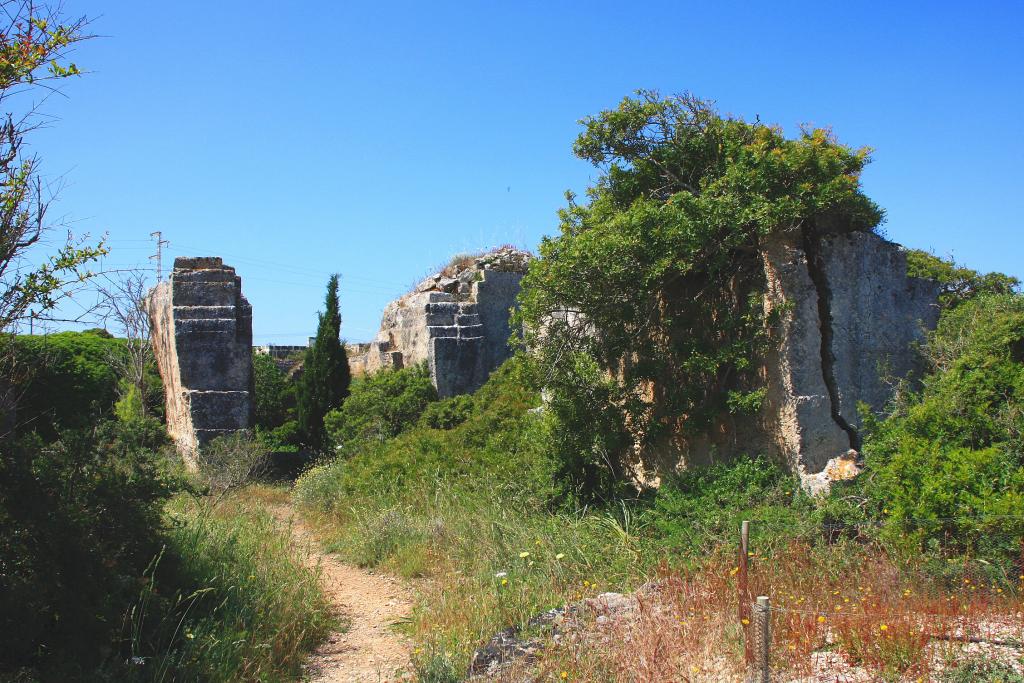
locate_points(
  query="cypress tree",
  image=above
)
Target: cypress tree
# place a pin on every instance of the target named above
(325, 374)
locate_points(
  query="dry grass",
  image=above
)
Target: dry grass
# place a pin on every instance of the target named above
(867, 622)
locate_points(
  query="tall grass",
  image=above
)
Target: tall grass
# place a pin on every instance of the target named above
(244, 607)
(492, 563)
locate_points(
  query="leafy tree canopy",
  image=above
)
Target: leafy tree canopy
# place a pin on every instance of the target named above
(958, 283)
(274, 396)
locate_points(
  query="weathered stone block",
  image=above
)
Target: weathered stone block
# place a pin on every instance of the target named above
(202, 340)
(456, 364)
(476, 314)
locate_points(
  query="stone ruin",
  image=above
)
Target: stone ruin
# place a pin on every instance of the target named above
(457, 321)
(851, 319)
(202, 340)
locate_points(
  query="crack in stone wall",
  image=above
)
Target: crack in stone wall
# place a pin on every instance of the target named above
(817, 272)
(848, 317)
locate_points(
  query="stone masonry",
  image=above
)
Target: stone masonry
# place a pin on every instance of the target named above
(202, 340)
(457, 321)
(850, 318)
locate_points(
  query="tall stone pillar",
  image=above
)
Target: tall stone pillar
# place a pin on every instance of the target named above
(202, 340)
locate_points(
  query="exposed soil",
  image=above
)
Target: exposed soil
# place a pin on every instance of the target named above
(368, 649)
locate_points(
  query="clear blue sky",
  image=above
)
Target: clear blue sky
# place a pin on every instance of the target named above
(376, 139)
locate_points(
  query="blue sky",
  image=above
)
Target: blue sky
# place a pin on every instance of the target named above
(377, 139)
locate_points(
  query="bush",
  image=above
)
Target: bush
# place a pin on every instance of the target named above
(379, 407)
(69, 381)
(701, 508)
(80, 520)
(284, 439)
(946, 468)
(447, 414)
(232, 460)
(499, 447)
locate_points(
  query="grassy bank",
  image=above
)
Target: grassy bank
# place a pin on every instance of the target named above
(229, 599)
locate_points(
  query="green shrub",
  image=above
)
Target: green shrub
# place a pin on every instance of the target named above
(80, 520)
(286, 438)
(379, 407)
(69, 380)
(946, 469)
(702, 508)
(500, 444)
(446, 414)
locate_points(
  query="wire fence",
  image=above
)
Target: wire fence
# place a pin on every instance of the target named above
(915, 600)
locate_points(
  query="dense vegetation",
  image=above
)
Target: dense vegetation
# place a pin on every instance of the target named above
(274, 406)
(113, 564)
(80, 520)
(945, 469)
(647, 305)
(380, 407)
(69, 381)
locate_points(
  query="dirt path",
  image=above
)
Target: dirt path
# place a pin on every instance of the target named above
(368, 650)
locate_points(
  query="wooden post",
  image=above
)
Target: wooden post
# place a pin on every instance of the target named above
(743, 587)
(763, 621)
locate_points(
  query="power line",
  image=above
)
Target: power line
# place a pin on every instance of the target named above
(160, 244)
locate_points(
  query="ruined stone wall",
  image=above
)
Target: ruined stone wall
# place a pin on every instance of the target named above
(202, 340)
(850, 320)
(457, 322)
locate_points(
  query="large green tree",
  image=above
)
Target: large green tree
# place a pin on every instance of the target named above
(325, 373)
(645, 312)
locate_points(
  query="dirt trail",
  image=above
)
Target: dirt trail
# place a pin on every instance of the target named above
(368, 650)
